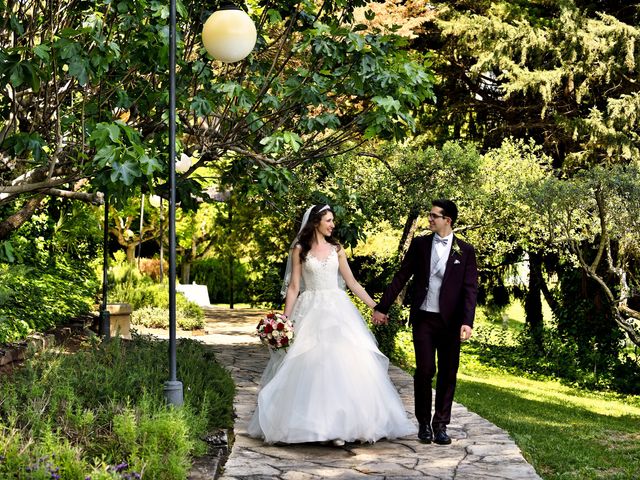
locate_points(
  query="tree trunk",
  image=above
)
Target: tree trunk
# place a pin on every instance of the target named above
(185, 272)
(408, 231)
(410, 225)
(533, 302)
(131, 253)
(16, 220)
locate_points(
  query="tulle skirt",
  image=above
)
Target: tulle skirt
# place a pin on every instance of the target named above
(332, 383)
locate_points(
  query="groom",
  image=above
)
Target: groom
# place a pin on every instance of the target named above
(442, 312)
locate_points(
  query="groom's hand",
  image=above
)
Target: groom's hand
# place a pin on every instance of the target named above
(465, 333)
(379, 318)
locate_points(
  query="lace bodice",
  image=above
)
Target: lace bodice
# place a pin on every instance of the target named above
(320, 274)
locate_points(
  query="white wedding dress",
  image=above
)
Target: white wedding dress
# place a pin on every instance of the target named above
(332, 383)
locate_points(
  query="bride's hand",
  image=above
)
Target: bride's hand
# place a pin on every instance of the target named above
(379, 318)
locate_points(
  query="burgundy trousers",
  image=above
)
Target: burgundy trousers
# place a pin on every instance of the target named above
(434, 338)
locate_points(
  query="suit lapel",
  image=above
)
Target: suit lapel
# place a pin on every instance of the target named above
(450, 260)
(427, 256)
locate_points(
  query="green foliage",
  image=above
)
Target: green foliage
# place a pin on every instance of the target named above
(6, 252)
(554, 71)
(373, 272)
(386, 334)
(37, 300)
(574, 359)
(214, 273)
(156, 317)
(509, 223)
(61, 229)
(148, 299)
(594, 216)
(597, 341)
(314, 81)
(401, 179)
(101, 412)
(266, 285)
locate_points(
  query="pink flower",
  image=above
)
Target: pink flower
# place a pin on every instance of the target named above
(275, 330)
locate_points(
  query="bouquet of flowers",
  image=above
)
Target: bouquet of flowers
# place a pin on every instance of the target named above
(275, 331)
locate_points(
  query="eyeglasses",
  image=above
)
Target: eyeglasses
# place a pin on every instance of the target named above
(433, 216)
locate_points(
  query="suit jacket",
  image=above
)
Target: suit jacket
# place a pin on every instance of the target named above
(459, 290)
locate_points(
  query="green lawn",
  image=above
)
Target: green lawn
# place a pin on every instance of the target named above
(563, 431)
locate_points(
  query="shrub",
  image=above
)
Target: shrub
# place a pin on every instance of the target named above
(156, 317)
(214, 273)
(558, 358)
(151, 268)
(150, 300)
(101, 412)
(265, 287)
(38, 299)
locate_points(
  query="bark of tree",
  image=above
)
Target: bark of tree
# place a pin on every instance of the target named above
(410, 225)
(408, 231)
(533, 302)
(20, 217)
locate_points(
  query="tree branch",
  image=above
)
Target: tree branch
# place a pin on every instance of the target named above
(604, 237)
(94, 198)
(20, 217)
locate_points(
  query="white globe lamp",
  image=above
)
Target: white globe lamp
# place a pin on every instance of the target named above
(229, 34)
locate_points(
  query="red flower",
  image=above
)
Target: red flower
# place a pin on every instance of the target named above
(278, 328)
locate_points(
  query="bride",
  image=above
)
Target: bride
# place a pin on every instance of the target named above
(332, 383)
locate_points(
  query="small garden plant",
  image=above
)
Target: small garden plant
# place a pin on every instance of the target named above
(101, 414)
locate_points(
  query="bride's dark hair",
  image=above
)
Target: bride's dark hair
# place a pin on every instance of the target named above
(307, 234)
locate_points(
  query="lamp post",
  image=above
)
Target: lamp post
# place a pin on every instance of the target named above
(228, 35)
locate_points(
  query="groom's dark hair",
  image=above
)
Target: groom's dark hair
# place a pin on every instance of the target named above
(449, 209)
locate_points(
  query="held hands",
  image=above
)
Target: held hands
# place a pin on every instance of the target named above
(379, 318)
(465, 333)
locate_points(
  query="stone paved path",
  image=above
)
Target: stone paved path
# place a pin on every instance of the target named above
(479, 449)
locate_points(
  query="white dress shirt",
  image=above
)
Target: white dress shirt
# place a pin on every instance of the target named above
(439, 256)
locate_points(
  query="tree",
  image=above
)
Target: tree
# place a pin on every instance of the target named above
(599, 207)
(506, 229)
(562, 73)
(85, 94)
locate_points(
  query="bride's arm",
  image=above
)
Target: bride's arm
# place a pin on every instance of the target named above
(351, 281)
(294, 283)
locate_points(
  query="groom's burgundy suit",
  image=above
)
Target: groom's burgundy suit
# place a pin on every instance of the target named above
(436, 333)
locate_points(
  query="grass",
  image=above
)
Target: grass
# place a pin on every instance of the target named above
(563, 431)
(100, 413)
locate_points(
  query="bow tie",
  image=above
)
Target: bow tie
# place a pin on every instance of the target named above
(443, 241)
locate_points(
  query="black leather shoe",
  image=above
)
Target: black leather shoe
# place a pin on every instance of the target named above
(425, 434)
(441, 438)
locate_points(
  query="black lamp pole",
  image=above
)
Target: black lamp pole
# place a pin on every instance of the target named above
(236, 43)
(173, 387)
